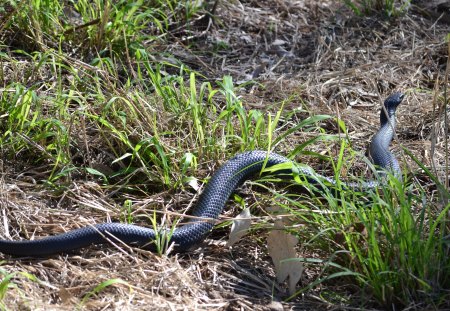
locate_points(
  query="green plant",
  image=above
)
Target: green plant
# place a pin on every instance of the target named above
(161, 244)
(101, 287)
(12, 281)
(389, 7)
(392, 242)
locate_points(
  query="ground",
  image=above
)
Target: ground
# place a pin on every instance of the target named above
(314, 56)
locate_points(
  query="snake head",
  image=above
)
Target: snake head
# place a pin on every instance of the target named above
(391, 103)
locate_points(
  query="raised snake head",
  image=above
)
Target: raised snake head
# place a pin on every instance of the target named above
(391, 103)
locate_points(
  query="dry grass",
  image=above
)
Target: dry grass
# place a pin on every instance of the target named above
(333, 62)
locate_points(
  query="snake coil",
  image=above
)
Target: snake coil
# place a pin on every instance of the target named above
(212, 200)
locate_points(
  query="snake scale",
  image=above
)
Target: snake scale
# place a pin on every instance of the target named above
(212, 200)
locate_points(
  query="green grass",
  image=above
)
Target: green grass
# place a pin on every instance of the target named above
(393, 241)
(14, 281)
(390, 8)
(99, 28)
(156, 126)
(102, 286)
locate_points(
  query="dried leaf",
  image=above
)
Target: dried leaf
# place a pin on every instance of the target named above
(281, 246)
(279, 42)
(240, 226)
(275, 306)
(193, 182)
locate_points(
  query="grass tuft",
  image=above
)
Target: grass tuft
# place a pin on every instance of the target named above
(390, 8)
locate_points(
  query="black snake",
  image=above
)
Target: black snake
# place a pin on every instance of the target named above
(211, 201)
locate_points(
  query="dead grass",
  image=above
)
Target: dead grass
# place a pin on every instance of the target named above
(334, 62)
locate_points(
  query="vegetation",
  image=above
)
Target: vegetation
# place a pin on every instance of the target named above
(388, 7)
(100, 119)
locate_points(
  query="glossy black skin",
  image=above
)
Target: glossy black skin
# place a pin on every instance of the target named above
(211, 201)
(379, 146)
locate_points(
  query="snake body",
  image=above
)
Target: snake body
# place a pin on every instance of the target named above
(211, 202)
